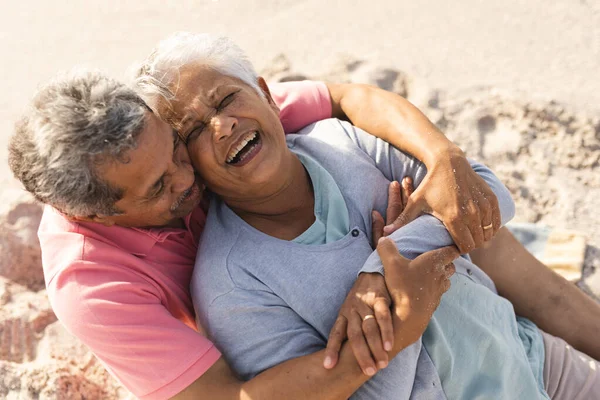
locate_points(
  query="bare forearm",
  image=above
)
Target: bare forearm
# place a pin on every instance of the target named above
(555, 305)
(300, 378)
(392, 118)
(305, 378)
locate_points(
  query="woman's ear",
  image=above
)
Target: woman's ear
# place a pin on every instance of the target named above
(265, 89)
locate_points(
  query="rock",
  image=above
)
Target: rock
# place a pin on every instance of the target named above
(279, 70)
(20, 217)
(4, 291)
(385, 78)
(57, 381)
(278, 65)
(22, 323)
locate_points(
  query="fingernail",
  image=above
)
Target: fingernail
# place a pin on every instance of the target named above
(370, 371)
(328, 362)
(388, 229)
(387, 346)
(382, 364)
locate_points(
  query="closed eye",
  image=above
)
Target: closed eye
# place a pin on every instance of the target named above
(226, 101)
(194, 133)
(158, 189)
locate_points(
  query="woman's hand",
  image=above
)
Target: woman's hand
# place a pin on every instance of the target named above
(364, 318)
(457, 196)
(366, 321)
(416, 288)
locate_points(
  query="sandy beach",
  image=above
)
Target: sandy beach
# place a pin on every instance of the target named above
(514, 83)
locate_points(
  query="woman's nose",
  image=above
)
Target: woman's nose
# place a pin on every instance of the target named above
(223, 126)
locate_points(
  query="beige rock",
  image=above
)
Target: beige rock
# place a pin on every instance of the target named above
(20, 258)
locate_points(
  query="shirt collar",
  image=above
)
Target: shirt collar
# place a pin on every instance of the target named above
(138, 241)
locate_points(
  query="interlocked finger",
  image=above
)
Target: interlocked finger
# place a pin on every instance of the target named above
(487, 223)
(372, 334)
(337, 335)
(384, 319)
(395, 203)
(359, 345)
(475, 224)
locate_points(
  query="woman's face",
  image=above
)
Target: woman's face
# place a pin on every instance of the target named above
(234, 137)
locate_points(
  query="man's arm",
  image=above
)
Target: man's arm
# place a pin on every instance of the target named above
(300, 378)
(451, 191)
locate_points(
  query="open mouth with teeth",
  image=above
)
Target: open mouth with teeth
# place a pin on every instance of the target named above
(245, 149)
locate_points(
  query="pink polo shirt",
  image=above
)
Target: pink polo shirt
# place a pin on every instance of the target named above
(125, 292)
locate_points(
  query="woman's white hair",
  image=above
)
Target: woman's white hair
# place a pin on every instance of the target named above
(158, 75)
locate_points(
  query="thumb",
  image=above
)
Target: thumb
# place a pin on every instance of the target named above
(390, 256)
(439, 257)
(412, 210)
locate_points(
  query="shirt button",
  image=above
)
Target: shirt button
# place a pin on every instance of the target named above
(355, 232)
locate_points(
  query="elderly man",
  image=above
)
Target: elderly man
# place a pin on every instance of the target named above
(122, 224)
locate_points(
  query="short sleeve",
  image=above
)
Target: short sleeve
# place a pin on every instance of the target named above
(122, 320)
(301, 103)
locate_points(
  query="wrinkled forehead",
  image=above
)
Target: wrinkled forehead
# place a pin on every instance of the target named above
(194, 85)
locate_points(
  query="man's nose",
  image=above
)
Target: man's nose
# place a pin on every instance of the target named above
(182, 171)
(182, 177)
(223, 126)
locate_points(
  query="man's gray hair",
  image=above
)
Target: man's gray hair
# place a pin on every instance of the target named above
(158, 75)
(74, 124)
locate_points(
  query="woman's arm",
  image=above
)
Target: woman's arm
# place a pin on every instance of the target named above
(451, 191)
(555, 305)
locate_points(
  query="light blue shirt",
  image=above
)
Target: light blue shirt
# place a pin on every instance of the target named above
(465, 323)
(263, 300)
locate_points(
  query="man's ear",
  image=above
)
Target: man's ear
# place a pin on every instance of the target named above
(99, 219)
(265, 89)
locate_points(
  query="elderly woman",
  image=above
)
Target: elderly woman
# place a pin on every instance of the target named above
(289, 230)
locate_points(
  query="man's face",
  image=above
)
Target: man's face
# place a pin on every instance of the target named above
(157, 178)
(233, 134)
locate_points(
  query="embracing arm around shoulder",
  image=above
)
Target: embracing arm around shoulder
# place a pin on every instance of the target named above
(451, 191)
(424, 233)
(300, 378)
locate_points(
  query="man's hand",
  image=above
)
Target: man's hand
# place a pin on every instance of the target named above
(372, 337)
(416, 288)
(461, 199)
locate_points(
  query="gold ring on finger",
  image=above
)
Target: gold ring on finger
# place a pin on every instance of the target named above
(490, 226)
(368, 317)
